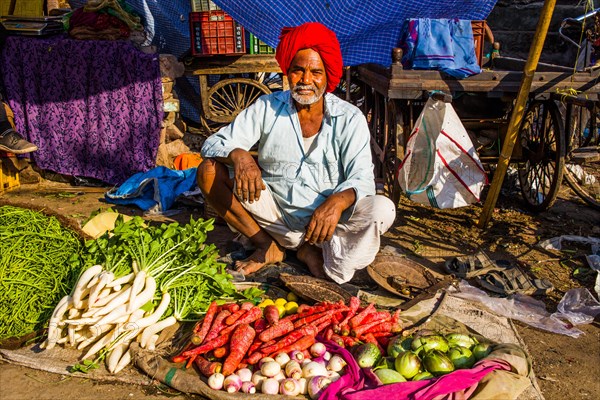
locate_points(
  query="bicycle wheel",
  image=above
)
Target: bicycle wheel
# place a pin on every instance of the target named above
(582, 167)
(543, 145)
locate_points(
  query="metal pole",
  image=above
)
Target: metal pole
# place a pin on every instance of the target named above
(517, 114)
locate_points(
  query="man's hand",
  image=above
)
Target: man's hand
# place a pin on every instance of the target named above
(326, 217)
(247, 175)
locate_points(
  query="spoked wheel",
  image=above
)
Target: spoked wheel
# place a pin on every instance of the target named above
(274, 81)
(211, 127)
(227, 98)
(394, 149)
(582, 167)
(542, 139)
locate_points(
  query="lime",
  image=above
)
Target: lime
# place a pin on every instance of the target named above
(291, 296)
(265, 303)
(291, 307)
(281, 309)
(280, 301)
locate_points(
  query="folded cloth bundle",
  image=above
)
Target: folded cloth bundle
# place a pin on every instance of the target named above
(443, 44)
(155, 190)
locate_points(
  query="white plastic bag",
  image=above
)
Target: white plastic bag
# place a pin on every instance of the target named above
(441, 167)
(578, 306)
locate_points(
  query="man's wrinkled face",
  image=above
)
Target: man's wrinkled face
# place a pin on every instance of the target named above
(307, 77)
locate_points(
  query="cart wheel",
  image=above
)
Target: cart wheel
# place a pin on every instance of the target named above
(394, 149)
(210, 127)
(272, 80)
(542, 139)
(582, 168)
(227, 98)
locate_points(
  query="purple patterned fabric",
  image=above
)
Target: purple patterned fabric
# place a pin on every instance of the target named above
(94, 108)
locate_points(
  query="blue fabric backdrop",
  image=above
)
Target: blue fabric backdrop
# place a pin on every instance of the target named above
(367, 29)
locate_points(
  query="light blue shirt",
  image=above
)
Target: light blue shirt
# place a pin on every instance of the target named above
(300, 182)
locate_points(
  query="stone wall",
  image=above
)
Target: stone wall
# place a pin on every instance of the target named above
(513, 23)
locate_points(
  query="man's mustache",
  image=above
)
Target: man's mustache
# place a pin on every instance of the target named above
(298, 88)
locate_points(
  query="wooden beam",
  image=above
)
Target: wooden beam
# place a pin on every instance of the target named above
(517, 114)
(219, 64)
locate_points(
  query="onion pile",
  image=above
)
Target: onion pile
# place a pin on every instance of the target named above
(289, 374)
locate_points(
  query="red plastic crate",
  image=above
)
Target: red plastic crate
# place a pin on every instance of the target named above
(215, 32)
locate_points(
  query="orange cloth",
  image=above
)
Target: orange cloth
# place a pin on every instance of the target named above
(316, 36)
(187, 160)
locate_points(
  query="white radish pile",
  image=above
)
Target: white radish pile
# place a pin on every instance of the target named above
(105, 315)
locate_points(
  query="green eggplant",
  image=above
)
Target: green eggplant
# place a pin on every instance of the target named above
(387, 376)
(432, 342)
(368, 355)
(408, 364)
(459, 339)
(481, 350)
(397, 345)
(437, 363)
(461, 357)
(422, 376)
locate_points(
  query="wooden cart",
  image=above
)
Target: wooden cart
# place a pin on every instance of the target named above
(392, 99)
(229, 84)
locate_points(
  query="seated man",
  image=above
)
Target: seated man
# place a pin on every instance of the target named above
(10, 140)
(313, 188)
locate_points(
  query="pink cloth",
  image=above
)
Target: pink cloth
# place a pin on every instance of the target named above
(359, 384)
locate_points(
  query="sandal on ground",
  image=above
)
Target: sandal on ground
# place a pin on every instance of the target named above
(475, 265)
(513, 280)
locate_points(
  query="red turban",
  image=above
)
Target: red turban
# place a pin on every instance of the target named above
(316, 36)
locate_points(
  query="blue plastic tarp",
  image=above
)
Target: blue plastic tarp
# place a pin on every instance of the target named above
(368, 30)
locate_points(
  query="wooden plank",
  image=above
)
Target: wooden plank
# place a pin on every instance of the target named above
(376, 80)
(411, 84)
(397, 87)
(216, 65)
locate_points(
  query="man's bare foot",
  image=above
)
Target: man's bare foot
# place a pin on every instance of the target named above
(312, 256)
(269, 254)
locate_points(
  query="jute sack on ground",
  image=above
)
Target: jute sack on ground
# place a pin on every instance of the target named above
(187, 380)
(448, 313)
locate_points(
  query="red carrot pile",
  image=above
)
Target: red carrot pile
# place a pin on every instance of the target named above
(233, 336)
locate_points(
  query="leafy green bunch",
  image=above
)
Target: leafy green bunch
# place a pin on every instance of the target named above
(176, 255)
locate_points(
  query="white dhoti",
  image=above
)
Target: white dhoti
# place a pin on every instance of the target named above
(354, 244)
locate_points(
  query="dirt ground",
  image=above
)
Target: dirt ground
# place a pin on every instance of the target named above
(565, 367)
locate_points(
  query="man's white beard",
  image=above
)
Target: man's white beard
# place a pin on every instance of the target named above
(307, 100)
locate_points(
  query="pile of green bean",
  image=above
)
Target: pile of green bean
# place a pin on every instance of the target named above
(38, 266)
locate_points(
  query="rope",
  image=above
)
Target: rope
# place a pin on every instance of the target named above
(588, 6)
(564, 93)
